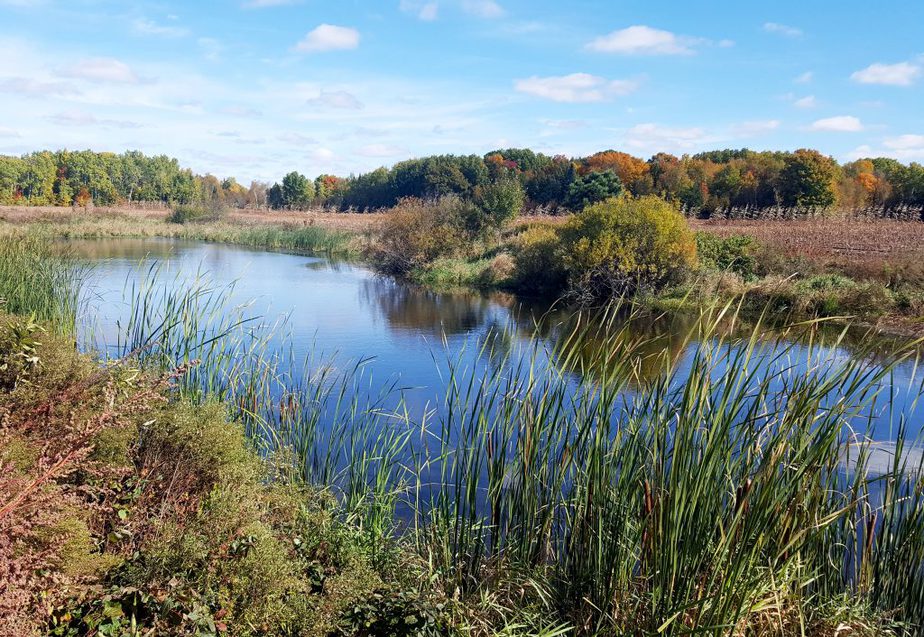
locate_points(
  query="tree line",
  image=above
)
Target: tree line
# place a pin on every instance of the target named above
(704, 183)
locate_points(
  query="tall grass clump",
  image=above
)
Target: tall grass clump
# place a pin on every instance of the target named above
(41, 279)
(302, 239)
(737, 492)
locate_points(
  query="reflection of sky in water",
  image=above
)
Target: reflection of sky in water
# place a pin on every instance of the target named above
(346, 312)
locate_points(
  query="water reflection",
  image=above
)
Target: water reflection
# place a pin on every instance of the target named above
(343, 308)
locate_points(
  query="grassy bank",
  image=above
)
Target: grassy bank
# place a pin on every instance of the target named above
(203, 485)
(303, 235)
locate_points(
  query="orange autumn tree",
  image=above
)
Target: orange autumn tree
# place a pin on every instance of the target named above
(632, 171)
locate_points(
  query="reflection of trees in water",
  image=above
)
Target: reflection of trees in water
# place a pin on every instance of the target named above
(598, 345)
(410, 307)
(127, 249)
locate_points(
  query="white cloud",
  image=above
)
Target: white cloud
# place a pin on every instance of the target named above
(905, 142)
(808, 101)
(262, 4)
(297, 139)
(336, 99)
(838, 124)
(901, 74)
(148, 27)
(782, 29)
(656, 137)
(211, 48)
(804, 78)
(80, 118)
(322, 154)
(755, 128)
(483, 8)
(8, 132)
(642, 40)
(328, 37)
(903, 147)
(102, 70)
(574, 88)
(32, 87)
(241, 111)
(381, 150)
(426, 11)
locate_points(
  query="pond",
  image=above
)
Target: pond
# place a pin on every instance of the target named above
(402, 331)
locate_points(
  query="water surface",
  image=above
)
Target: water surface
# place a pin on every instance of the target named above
(404, 332)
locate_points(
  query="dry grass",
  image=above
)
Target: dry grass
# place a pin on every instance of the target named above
(345, 221)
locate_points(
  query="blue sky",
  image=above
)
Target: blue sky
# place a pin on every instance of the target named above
(255, 88)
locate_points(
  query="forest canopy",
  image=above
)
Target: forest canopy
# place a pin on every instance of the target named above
(703, 183)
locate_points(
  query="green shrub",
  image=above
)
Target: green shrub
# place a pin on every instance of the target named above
(625, 245)
(727, 254)
(196, 213)
(415, 233)
(538, 265)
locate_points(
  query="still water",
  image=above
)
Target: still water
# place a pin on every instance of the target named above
(347, 313)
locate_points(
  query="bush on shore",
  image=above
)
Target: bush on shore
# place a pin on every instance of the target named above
(196, 213)
(624, 245)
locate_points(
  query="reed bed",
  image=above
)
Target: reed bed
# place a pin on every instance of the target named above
(40, 279)
(570, 491)
(733, 494)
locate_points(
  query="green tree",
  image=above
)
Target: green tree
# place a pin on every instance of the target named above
(591, 188)
(808, 179)
(297, 190)
(501, 201)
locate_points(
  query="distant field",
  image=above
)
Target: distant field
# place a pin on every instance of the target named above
(859, 244)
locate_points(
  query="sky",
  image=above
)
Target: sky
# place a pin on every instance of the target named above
(256, 88)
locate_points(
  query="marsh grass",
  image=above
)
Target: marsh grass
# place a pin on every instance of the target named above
(41, 279)
(301, 238)
(732, 494)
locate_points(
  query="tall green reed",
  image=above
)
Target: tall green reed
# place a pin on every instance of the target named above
(40, 278)
(734, 492)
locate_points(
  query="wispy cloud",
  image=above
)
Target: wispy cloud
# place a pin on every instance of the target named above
(808, 101)
(643, 40)
(143, 26)
(101, 70)
(426, 11)
(838, 124)
(328, 37)
(754, 128)
(574, 88)
(782, 29)
(262, 4)
(900, 74)
(381, 150)
(483, 8)
(36, 88)
(80, 118)
(656, 137)
(336, 99)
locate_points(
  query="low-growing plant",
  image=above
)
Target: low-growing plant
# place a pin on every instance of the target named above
(196, 213)
(735, 254)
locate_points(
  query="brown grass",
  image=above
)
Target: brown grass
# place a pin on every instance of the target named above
(830, 241)
(351, 222)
